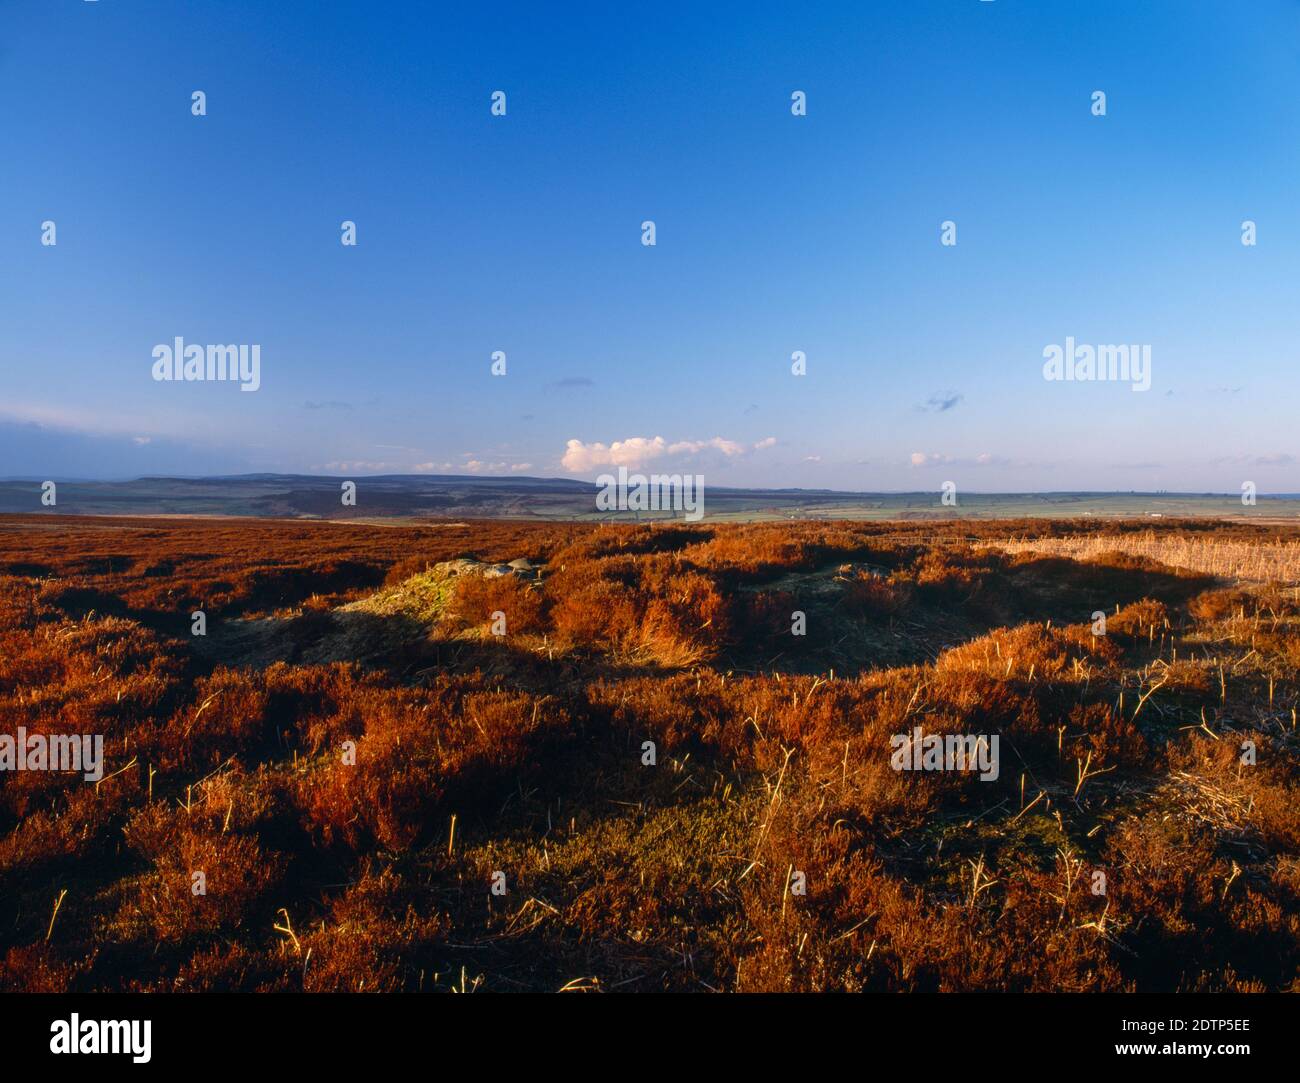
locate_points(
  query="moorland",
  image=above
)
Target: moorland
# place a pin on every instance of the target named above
(651, 756)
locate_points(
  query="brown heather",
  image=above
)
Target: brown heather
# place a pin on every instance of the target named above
(351, 754)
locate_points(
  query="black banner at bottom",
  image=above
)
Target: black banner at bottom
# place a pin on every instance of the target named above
(239, 1030)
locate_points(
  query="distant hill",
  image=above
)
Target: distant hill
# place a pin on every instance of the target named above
(423, 496)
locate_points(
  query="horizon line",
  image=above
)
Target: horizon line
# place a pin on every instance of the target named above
(275, 475)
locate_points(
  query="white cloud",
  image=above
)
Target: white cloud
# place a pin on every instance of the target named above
(934, 458)
(481, 466)
(371, 466)
(360, 466)
(638, 451)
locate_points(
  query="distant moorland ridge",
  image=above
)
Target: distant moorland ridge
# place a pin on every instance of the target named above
(421, 496)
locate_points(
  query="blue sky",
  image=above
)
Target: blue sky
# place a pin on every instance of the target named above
(775, 233)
